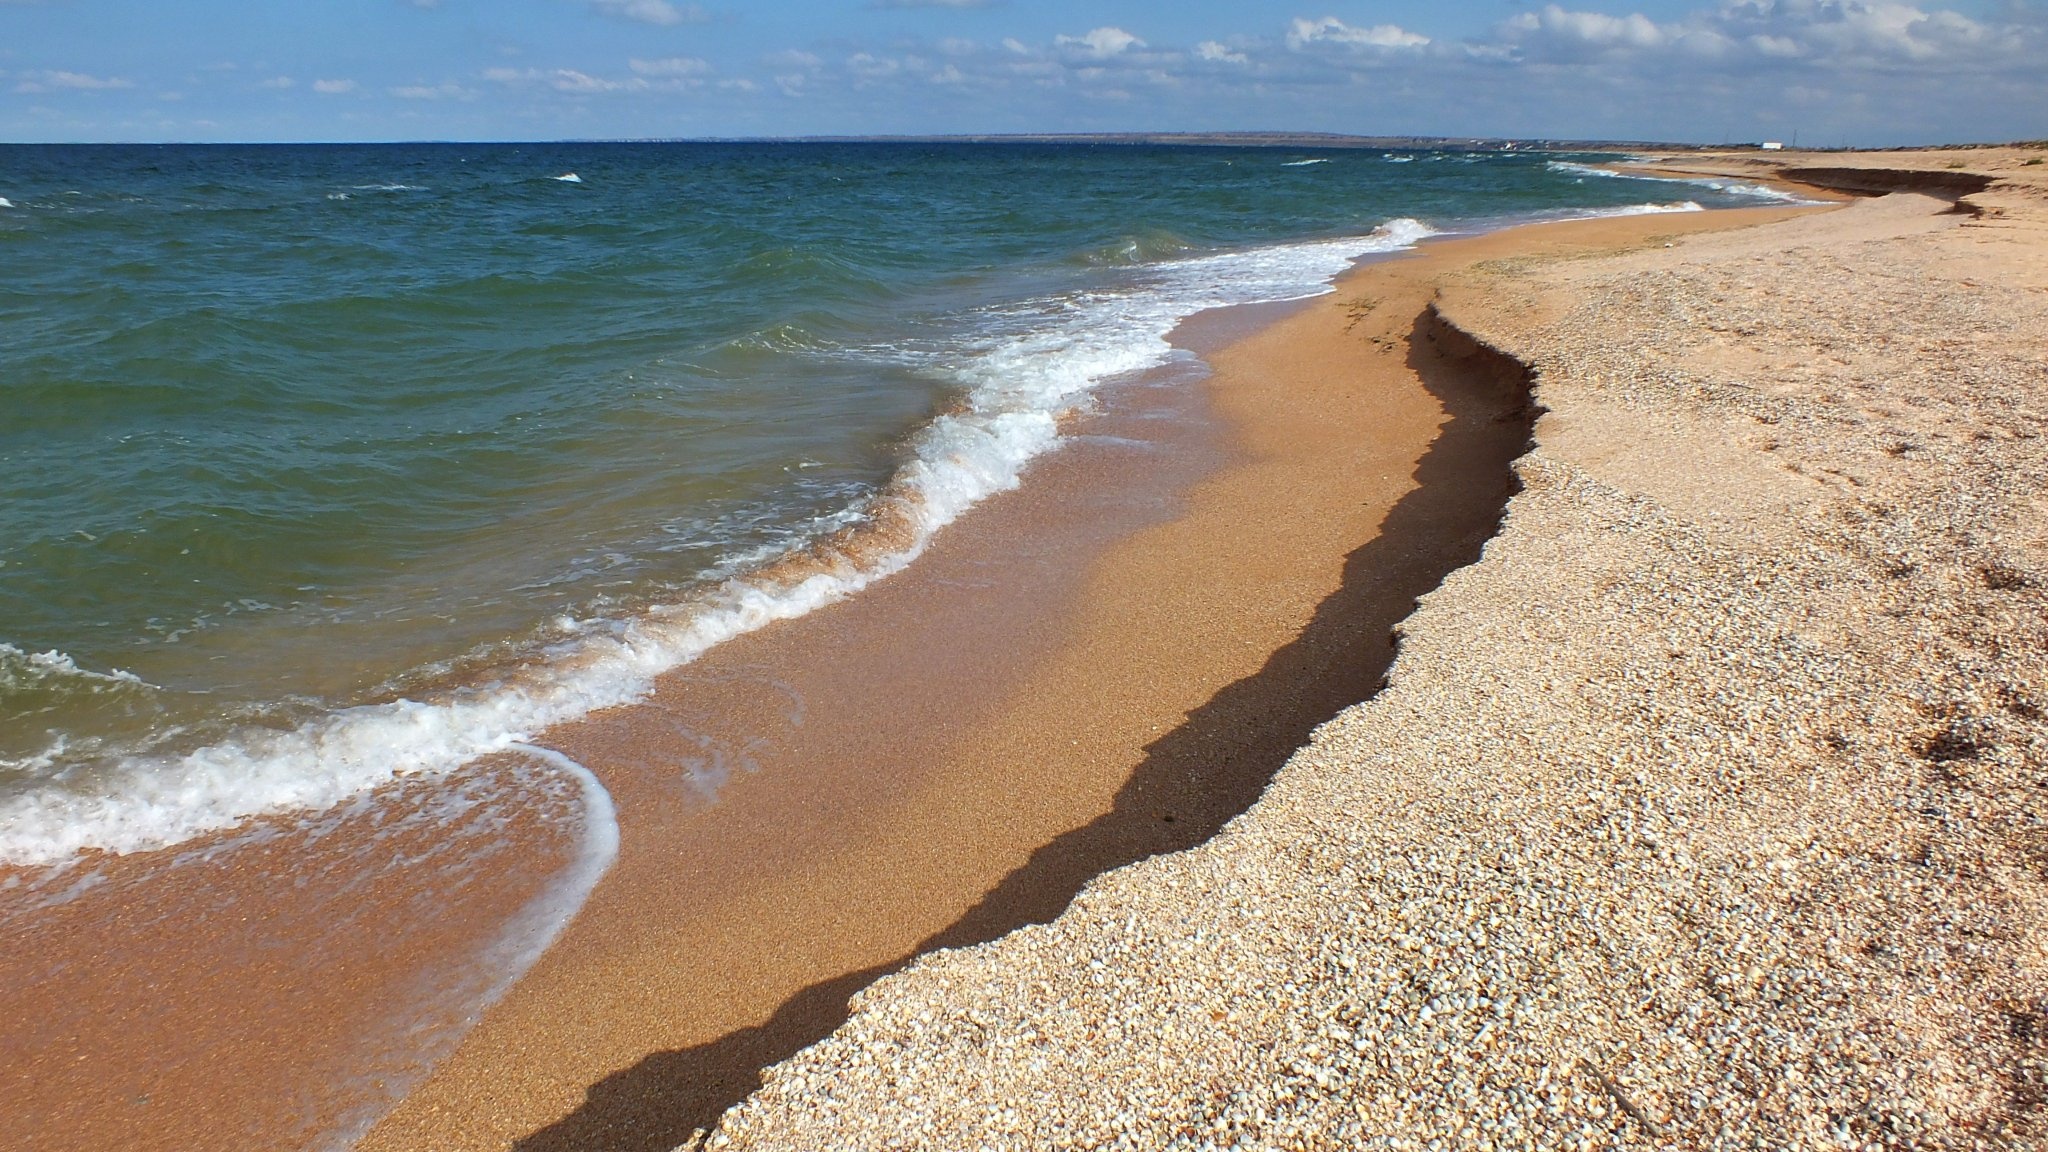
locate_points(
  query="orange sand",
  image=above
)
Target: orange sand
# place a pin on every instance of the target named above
(939, 761)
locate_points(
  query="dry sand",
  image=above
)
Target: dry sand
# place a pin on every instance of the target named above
(1701, 812)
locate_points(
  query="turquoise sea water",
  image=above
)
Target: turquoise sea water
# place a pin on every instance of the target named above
(325, 464)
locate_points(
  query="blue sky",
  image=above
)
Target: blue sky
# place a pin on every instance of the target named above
(1833, 71)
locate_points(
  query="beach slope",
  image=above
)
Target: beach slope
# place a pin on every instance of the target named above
(1700, 811)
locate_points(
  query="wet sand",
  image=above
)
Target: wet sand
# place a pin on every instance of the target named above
(1106, 664)
(271, 987)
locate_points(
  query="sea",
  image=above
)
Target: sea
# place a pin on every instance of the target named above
(330, 470)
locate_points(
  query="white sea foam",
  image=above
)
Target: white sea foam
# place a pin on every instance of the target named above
(1760, 191)
(518, 945)
(569, 178)
(545, 918)
(1726, 187)
(20, 670)
(37, 763)
(1643, 209)
(389, 187)
(1581, 169)
(5, 202)
(1036, 361)
(1306, 163)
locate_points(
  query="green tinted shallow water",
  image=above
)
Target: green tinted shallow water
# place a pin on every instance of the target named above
(288, 429)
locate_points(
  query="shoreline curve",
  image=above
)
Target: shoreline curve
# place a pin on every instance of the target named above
(1723, 840)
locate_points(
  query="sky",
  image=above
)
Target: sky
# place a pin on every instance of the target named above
(1823, 72)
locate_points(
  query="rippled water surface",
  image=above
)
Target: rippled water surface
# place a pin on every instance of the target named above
(323, 464)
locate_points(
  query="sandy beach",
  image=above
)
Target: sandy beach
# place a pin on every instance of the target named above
(1578, 686)
(1167, 667)
(965, 576)
(1699, 812)
(1169, 663)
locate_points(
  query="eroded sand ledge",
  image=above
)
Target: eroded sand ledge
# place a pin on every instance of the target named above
(1700, 812)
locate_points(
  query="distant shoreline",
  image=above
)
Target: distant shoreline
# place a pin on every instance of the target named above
(1261, 139)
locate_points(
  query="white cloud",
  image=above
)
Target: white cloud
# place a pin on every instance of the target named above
(1211, 50)
(1331, 30)
(563, 80)
(1102, 43)
(278, 82)
(446, 91)
(1826, 33)
(333, 87)
(57, 80)
(1587, 30)
(1858, 30)
(872, 67)
(1783, 47)
(570, 80)
(1661, 65)
(651, 11)
(670, 66)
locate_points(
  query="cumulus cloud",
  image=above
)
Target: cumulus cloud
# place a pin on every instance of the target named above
(1330, 30)
(334, 87)
(1102, 43)
(568, 80)
(872, 67)
(1555, 33)
(1855, 29)
(794, 70)
(1828, 33)
(651, 11)
(57, 80)
(1220, 53)
(1527, 73)
(670, 66)
(445, 91)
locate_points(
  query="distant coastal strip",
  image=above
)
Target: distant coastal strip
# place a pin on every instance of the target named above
(1699, 812)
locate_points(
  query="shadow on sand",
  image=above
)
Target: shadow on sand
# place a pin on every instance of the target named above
(1192, 781)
